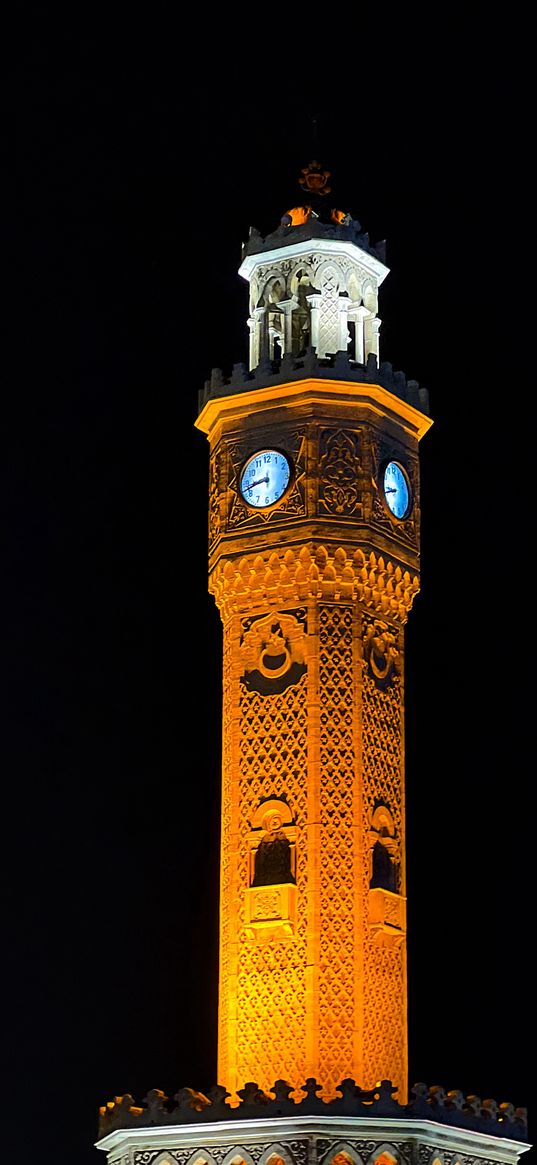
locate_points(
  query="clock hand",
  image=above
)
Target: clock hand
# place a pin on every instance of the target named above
(261, 481)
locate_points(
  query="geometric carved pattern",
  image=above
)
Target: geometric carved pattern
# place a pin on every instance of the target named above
(337, 984)
(217, 476)
(329, 312)
(269, 761)
(384, 1031)
(311, 571)
(314, 993)
(340, 473)
(225, 848)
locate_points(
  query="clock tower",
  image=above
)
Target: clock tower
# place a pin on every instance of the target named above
(314, 564)
(314, 538)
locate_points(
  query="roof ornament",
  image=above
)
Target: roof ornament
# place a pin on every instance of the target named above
(315, 180)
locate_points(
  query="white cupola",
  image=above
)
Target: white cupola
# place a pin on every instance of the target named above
(313, 284)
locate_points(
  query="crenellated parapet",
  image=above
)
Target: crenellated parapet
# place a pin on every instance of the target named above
(191, 1107)
(311, 571)
(274, 372)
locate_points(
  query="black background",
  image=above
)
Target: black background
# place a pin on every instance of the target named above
(142, 154)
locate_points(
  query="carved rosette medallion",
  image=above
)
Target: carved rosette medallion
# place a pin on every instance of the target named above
(340, 484)
(293, 504)
(381, 654)
(273, 651)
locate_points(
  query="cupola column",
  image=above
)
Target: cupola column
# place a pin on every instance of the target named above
(258, 336)
(356, 314)
(371, 335)
(287, 307)
(315, 306)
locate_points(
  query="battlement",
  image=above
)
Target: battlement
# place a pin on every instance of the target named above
(338, 367)
(428, 1103)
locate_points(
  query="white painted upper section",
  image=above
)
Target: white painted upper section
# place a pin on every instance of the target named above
(318, 293)
(384, 1131)
(324, 246)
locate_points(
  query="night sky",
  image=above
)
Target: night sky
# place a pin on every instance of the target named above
(134, 186)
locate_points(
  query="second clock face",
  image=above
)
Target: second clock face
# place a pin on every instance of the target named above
(396, 490)
(265, 478)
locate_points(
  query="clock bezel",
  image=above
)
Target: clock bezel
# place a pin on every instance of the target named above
(410, 503)
(290, 483)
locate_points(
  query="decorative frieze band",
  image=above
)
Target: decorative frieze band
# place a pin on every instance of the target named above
(310, 571)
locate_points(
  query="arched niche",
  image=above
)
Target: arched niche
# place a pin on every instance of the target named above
(272, 818)
(270, 899)
(342, 1154)
(384, 851)
(369, 296)
(238, 1156)
(387, 906)
(203, 1158)
(276, 1155)
(384, 1155)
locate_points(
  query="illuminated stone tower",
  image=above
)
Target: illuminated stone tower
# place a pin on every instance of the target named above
(314, 565)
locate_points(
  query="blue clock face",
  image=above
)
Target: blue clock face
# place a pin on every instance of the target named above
(396, 490)
(265, 478)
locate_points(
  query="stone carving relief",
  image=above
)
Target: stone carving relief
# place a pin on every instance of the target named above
(351, 276)
(384, 1036)
(368, 1151)
(311, 300)
(337, 861)
(381, 653)
(271, 765)
(264, 1153)
(217, 495)
(340, 473)
(312, 571)
(273, 651)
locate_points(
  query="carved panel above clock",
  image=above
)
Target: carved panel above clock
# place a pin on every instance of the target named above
(341, 473)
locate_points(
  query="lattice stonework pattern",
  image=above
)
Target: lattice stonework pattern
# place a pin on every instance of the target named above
(384, 968)
(226, 871)
(337, 967)
(263, 991)
(318, 996)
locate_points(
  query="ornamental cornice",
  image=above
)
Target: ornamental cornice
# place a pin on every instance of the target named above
(340, 368)
(296, 574)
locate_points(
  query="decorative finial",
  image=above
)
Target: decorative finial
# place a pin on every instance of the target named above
(314, 179)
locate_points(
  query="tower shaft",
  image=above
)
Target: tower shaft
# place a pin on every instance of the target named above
(314, 597)
(312, 981)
